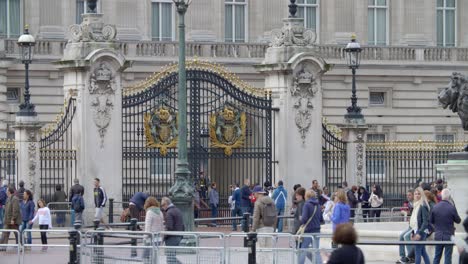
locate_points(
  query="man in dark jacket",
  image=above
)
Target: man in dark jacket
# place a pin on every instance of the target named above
(136, 204)
(76, 189)
(3, 199)
(311, 217)
(352, 200)
(12, 216)
(174, 222)
(245, 203)
(100, 199)
(21, 190)
(442, 216)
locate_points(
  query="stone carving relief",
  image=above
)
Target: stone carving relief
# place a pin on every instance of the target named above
(102, 89)
(455, 97)
(292, 33)
(32, 157)
(92, 29)
(302, 91)
(359, 159)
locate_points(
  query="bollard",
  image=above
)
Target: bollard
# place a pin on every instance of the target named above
(77, 227)
(96, 223)
(73, 234)
(133, 241)
(111, 210)
(246, 220)
(251, 242)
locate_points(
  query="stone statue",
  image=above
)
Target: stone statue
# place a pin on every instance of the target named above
(455, 97)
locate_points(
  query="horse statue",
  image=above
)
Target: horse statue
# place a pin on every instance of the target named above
(455, 97)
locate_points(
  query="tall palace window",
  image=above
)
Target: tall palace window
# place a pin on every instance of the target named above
(10, 18)
(377, 22)
(82, 8)
(235, 22)
(446, 26)
(308, 9)
(162, 20)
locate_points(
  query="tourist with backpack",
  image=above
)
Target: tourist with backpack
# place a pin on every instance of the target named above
(279, 196)
(264, 221)
(78, 206)
(311, 219)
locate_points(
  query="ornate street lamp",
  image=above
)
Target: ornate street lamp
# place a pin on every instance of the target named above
(26, 43)
(353, 55)
(182, 191)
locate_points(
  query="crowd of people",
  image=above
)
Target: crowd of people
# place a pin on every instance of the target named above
(429, 210)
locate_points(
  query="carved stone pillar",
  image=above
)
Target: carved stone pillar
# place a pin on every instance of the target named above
(27, 138)
(92, 66)
(355, 136)
(293, 71)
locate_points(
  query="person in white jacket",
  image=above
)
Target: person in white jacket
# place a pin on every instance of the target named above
(154, 222)
(45, 221)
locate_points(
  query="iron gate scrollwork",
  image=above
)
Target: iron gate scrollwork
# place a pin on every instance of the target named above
(57, 156)
(333, 157)
(244, 151)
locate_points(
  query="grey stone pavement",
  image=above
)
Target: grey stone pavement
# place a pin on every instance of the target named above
(58, 251)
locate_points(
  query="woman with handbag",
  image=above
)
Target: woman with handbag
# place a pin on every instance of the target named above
(300, 200)
(310, 219)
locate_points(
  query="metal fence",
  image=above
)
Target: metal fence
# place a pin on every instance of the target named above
(57, 155)
(8, 161)
(333, 157)
(399, 166)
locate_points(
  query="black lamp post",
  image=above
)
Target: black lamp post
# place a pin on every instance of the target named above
(353, 56)
(26, 43)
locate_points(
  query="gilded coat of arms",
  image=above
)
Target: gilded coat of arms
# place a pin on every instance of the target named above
(161, 129)
(227, 129)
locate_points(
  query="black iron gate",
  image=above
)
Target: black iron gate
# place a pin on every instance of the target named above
(333, 159)
(57, 156)
(229, 131)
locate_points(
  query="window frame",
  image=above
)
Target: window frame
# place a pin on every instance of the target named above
(21, 17)
(453, 135)
(374, 8)
(234, 3)
(388, 95)
(85, 9)
(18, 97)
(173, 20)
(444, 8)
(317, 17)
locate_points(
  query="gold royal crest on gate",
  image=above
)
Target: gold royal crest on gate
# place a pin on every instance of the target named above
(161, 129)
(227, 129)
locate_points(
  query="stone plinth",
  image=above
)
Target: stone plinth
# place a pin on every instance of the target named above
(456, 174)
(27, 138)
(354, 134)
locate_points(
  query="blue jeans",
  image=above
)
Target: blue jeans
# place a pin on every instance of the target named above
(243, 223)
(405, 236)
(420, 251)
(235, 212)
(25, 225)
(214, 212)
(279, 226)
(172, 241)
(447, 253)
(306, 242)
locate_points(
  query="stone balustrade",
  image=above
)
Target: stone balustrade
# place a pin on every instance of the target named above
(147, 49)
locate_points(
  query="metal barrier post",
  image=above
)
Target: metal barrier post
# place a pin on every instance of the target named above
(133, 241)
(77, 226)
(73, 241)
(246, 220)
(251, 241)
(111, 210)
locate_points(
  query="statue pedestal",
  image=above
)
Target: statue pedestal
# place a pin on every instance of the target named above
(456, 175)
(354, 134)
